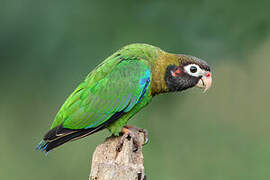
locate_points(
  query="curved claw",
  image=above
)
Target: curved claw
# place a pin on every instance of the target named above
(145, 132)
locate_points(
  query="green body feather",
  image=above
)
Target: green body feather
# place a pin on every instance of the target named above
(120, 84)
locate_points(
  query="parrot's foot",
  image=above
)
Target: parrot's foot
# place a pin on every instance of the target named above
(129, 132)
(144, 131)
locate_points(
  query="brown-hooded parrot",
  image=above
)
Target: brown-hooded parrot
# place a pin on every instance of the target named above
(120, 87)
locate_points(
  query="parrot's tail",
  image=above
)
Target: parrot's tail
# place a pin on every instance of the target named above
(60, 135)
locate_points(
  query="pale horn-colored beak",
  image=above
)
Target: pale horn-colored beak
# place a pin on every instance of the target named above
(205, 81)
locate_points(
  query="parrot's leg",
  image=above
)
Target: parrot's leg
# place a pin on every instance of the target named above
(129, 132)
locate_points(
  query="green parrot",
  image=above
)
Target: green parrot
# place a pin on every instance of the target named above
(120, 87)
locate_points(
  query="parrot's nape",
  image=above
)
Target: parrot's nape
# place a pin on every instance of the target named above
(121, 86)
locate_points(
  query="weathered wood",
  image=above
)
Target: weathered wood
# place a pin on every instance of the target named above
(108, 164)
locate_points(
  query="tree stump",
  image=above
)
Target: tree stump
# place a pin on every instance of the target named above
(108, 164)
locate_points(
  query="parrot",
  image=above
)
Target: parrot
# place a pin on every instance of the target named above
(118, 88)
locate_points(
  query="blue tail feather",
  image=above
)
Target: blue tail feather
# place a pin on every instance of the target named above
(42, 145)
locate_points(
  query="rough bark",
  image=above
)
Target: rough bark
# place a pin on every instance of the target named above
(108, 164)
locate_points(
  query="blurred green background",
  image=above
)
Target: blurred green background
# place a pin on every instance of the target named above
(48, 47)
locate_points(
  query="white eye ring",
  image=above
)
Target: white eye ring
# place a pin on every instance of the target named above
(197, 73)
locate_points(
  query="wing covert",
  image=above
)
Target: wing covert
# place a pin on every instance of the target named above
(92, 104)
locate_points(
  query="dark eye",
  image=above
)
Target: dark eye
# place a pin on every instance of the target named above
(193, 69)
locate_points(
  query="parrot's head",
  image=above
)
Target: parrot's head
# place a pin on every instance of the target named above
(187, 72)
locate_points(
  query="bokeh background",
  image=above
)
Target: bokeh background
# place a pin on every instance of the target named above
(48, 47)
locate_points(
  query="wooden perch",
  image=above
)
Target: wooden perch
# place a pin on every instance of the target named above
(108, 164)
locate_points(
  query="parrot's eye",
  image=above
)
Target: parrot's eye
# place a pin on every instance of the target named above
(193, 70)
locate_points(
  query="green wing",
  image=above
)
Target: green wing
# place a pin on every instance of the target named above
(98, 98)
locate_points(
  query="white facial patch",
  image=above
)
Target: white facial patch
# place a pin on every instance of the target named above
(193, 70)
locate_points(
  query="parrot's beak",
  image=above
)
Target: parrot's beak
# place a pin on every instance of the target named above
(205, 81)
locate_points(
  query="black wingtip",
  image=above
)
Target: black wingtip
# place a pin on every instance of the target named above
(60, 135)
(54, 140)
